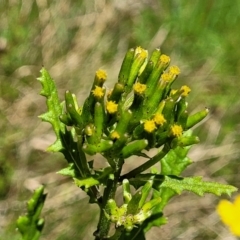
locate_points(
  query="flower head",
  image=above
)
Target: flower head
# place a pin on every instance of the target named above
(115, 135)
(164, 59)
(174, 70)
(166, 77)
(111, 107)
(149, 126)
(139, 88)
(176, 130)
(101, 76)
(230, 214)
(185, 90)
(159, 119)
(98, 92)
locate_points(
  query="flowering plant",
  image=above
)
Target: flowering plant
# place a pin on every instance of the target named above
(142, 112)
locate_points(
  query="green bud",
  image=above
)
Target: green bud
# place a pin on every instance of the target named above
(115, 95)
(134, 148)
(99, 119)
(184, 141)
(145, 192)
(150, 65)
(138, 61)
(66, 119)
(155, 75)
(71, 109)
(132, 207)
(127, 196)
(126, 67)
(101, 147)
(90, 133)
(124, 120)
(196, 118)
(168, 110)
(182, 119)
(155, 56)
(146, 72)
(33, 202)
(181, 106)
(112, 207)
(153, 101)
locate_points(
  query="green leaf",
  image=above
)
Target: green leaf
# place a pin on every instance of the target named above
(30, 225)
(196, 185)
(100, 177)
(54, 108)
(68, 171)
(175, 161)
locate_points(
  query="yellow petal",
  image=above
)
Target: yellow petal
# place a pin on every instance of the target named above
(226, 211)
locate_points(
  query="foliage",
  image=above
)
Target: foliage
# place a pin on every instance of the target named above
(31, 225)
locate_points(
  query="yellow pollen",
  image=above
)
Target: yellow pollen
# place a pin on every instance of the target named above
(159, 119)
(186, 90)
(115, 135)
(174, 70)
(111, 107)
(164, 59)
(139, 88)
(166, 77)
(98, 92)
(149, 126)
(176, 130)
(101, 75)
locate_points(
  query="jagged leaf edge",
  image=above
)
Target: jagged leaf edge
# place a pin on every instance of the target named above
(54, 106)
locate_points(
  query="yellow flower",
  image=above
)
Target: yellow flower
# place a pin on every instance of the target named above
(115, 135)
(98, 92)
(100, 76)
(139, 88)
(111, 107)
(159, 119)
(164, 59)
(166, 77)
(230, 214)
(176, 130)
(186, 90)
(149, 126)
(174, 70)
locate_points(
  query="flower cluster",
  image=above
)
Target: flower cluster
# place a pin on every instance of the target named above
(141, 112)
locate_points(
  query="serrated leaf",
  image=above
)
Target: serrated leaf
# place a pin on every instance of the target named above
(54, 108)
(68, 171)
(30, 225)
(197, 186)
(175, 161)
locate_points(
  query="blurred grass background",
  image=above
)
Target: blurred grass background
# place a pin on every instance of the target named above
(73, 39)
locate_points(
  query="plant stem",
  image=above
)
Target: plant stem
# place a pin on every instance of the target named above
(109, 193)
(146, 165)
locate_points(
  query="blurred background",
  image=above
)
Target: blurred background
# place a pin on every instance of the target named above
(72, 39)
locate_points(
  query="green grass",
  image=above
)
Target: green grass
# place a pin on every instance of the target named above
(72, 39)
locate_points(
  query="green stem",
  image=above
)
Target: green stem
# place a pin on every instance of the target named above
(109, 193)
(146, 165)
